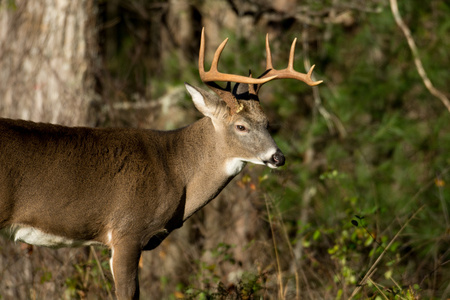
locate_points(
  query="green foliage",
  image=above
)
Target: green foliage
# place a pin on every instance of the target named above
(206, 284)
(89, 276)
(358, 188)
(393, 160)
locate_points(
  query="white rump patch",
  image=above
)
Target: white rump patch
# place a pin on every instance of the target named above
(34, 236)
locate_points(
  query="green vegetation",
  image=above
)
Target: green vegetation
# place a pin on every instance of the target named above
(365, 152)
(362, 206)
(362, 185)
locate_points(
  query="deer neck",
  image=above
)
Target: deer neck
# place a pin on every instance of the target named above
(205, 166)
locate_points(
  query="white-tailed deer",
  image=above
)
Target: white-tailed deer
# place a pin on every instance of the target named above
(128, 189)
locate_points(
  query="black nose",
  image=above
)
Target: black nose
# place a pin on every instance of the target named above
(278, 158)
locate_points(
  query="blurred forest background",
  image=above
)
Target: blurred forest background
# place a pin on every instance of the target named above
(361, 208)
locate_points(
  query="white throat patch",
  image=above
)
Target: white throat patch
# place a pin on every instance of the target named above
(233, 166)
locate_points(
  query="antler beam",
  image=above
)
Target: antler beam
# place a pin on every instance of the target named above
(214, 75)
(288, 72)
(209, 77)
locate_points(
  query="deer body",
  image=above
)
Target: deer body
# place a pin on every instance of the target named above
(128, 189)
(49, 173)
(123, 188)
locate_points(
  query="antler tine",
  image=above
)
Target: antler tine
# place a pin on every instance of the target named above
(201, 54)
(215, 61)
(214, 75)
(291, 56)
(268, 54)
(288, 72)
(251, 87)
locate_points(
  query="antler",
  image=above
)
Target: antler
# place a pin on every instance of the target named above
(214, 75)
(289, 72)
(255, 84)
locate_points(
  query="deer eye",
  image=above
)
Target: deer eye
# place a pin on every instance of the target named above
(241, 128)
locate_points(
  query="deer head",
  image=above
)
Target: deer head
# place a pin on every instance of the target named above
(236, 111)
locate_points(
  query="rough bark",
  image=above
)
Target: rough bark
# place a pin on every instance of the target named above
(46, 54)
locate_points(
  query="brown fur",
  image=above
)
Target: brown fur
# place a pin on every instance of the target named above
(125, 188)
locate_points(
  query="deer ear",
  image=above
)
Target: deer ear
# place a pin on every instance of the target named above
(206, 105)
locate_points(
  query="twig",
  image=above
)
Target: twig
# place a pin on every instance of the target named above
(297, 253)
(329, 118)
(291, 251)
(88, 269)
(370, 272)
(412, 45)
(279, 275)
(105, 282)
(395, 282)
(378, 288)
(439, 184)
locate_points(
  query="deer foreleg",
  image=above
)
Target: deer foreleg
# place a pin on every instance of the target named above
(124, 267)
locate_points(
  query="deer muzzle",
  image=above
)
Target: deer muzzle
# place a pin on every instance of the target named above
(276, 160)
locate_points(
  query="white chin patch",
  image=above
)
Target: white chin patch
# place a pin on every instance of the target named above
(234, 165)
(271, 166)
(254, 161)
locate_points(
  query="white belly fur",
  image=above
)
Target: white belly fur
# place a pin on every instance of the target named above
(34, 236)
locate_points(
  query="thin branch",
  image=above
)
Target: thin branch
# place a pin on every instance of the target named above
(371, 270)
(378, 288)
(331, 120)
(279, 272)
(412, 45)
(291, 251)
(105, 282)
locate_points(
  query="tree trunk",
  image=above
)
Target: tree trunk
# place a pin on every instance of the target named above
(46, 54)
